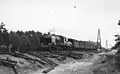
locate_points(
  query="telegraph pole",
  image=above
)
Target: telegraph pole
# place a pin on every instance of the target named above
(98, 40)
(107, 44)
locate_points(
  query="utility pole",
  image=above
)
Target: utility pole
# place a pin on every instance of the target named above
(98, 40)
(107, 44)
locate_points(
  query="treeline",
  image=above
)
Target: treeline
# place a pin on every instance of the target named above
(21, 41)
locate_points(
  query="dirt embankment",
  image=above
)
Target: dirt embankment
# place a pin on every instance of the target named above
(74, 66)
(98, 64)
(61, 63)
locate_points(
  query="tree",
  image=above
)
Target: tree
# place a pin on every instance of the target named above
(34, 38)
(16, 41)
(117, 45)
(38, 35)
(19, 42)
(25, 46)
(6, 38)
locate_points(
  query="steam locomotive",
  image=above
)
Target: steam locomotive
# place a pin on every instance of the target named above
(64, 42)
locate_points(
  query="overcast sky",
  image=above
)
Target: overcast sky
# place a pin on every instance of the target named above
(80, 23)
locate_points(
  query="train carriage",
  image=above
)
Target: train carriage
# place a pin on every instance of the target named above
(76, 44)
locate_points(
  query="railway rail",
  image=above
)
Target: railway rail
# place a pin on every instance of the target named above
(42, 59)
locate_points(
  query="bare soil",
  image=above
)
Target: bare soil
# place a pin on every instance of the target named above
(90, 63)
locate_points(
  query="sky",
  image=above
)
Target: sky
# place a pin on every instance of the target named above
(79, 23)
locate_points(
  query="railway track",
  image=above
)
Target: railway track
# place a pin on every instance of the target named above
(42, 58)
(9, 63)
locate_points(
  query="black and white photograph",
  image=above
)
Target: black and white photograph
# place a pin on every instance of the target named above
(59, 36)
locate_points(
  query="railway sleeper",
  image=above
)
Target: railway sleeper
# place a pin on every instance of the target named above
(37, 56)
(44, 59)
(24, 57)
(9, 63)
(47, 60)
(75, 57)
(30, 59)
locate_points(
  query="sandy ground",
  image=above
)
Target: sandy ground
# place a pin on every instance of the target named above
(77, 67)
(74, 67)
(92, 65)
